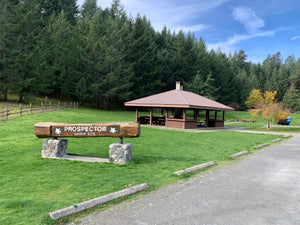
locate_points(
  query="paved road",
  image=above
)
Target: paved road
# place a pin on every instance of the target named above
(261, 188)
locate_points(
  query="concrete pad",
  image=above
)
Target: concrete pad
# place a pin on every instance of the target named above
(84, 158)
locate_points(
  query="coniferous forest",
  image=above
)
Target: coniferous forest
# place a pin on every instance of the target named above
(103, 57)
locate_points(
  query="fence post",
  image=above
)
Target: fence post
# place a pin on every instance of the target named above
(58, 106)
(50, 106)
(41, 106)
(20, 113)
(30, 108)
(65, 105)
(6, 112)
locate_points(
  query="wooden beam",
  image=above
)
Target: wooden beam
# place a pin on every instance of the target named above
(55, 130)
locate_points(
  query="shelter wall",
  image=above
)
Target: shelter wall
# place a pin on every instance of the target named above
(181, 124)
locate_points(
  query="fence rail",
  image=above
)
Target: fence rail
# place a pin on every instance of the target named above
(25, 109)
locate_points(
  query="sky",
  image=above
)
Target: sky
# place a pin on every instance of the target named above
(258, 27)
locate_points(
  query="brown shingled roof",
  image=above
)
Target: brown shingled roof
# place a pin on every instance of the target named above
(178, 99)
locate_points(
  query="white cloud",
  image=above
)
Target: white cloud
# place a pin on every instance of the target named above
(192, 29)
(248, 18)
(172, 14)
(294, 38)
(252, 24)
(229, 45)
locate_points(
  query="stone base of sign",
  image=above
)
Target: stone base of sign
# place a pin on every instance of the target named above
(54, 148)
(120, 153)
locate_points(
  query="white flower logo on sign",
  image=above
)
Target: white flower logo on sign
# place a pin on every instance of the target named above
(57, 131)
(113, 130)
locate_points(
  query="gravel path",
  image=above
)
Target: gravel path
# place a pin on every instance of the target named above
(261, 188)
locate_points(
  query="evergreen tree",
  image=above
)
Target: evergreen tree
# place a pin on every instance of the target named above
(82, 91)
(203, 86)
(203, 62)
(295, 76)
(49, 7)
(27, 33)
(165, 42)
(95, 33)
(244, 88)
(112, 77)
(270, 68)
(7, 43)
(185, 57)
(291, 99)
(143, 56)
(239, 62)
(64, 56)
(224, 77)
(88, 9)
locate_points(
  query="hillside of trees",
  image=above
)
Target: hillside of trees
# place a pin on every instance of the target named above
(104, 57)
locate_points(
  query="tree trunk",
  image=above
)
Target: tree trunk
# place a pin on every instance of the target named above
(21, 98)
(5, 93)
(268, 127)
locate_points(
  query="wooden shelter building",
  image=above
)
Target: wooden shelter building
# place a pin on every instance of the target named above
(180, 109)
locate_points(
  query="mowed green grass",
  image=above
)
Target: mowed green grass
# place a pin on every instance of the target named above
(31, 187)
(260, 123)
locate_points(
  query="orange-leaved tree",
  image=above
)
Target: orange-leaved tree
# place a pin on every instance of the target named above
(266, 106)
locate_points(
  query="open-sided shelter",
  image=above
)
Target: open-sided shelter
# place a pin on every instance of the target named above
(180, 109)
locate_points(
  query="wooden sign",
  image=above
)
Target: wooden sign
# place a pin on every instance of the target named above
(49, 129)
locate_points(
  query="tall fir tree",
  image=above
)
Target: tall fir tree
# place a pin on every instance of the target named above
(143, 57)
(165, 42)
(28, 29)
(223, 74)
(64, 56)
(49, 7)
(8, 39)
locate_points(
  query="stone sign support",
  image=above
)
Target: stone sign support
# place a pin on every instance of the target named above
(119, 153)
(54, 148)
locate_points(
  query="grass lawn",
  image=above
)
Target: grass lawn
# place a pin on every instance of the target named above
(31, 187)
(260, 124)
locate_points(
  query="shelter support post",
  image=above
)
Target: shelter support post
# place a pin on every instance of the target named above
(196, 114)
(151, 116)
(207, 118)
(136, 114)
(224, 115)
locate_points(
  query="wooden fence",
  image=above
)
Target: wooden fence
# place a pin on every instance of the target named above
(30, 109)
